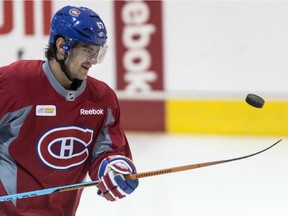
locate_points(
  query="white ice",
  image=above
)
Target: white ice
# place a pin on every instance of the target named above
(256, 186)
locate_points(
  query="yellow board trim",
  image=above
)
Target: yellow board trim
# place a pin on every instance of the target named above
(226, 117)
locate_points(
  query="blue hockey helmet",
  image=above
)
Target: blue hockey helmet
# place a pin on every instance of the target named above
(78, 24)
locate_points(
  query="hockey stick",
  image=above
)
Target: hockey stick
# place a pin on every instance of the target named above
(48, 191)
(131, 176)
(193, 166)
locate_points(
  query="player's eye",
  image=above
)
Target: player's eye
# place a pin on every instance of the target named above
(89, 51)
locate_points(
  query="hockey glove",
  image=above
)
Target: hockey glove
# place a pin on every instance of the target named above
(112, 172)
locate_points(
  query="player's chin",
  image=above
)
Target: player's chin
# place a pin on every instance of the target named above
(83, 74)
(83, 77)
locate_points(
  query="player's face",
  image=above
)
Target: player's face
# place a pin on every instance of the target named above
(80, 59)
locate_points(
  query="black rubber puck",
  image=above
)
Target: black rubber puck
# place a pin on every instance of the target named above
(255, 100)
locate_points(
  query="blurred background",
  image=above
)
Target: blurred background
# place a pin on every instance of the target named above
(182, 70)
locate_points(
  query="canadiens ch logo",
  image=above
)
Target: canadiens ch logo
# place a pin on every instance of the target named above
(65, 147)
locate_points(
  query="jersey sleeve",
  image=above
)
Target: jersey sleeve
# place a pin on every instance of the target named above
(111, 141)
(14, 102)
(10, 102)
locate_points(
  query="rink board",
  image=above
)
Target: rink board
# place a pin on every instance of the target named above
(205, 117)
(226, 117)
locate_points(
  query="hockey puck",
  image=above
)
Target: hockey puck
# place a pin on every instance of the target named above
(255, 100)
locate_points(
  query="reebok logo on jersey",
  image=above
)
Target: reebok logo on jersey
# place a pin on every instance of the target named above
(45, 110)
(91, 111)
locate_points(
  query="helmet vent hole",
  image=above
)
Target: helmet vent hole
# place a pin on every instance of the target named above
(82, 33)
(88, 31)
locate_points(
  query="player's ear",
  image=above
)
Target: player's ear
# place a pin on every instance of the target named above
(60, 42)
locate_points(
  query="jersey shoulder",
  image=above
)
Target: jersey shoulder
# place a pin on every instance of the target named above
(100, 90)
(20, 76)
(21, 70)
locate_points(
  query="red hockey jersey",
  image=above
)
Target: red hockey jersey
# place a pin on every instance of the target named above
(50, 136)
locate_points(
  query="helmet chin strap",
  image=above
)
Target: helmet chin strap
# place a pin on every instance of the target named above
(76, 83)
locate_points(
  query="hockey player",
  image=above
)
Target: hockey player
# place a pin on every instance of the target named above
(57, 124)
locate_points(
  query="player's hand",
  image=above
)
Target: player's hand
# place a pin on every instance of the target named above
(112, 172)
